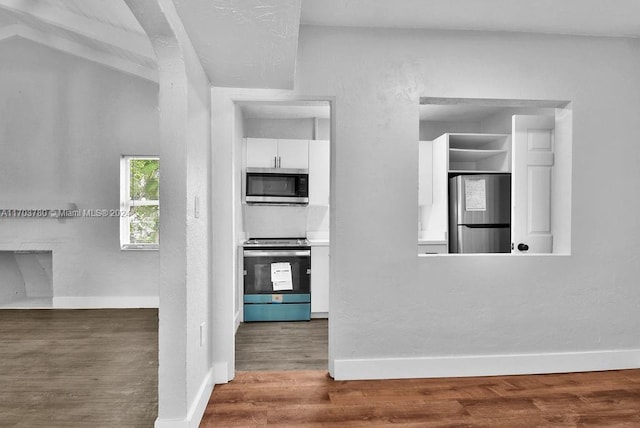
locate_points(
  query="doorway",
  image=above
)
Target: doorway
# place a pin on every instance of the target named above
(298, 131)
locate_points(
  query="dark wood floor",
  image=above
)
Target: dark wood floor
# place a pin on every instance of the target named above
(313, 399)
(78, 368)
(299, 345)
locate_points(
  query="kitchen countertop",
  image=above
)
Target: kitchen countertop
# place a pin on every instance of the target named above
(315, 242)
(318, 239)
(431, 242)
(319, 242)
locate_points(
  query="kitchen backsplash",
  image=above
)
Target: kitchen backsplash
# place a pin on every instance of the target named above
(263, 221)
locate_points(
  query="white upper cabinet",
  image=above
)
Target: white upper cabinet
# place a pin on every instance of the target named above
(319, 166)
(276, 153)
(293, 154)
(262, 152)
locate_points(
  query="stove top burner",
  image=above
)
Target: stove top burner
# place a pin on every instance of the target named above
(277, 242)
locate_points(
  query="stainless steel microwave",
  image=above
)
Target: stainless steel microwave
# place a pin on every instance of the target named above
(283, 186)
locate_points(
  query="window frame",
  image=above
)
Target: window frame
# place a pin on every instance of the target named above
(126, 203)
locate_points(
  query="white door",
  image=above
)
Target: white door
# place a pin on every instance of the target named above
(533, 158)
(262, 152)
(293, 154)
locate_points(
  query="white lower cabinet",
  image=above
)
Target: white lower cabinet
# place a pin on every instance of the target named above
(319, 281)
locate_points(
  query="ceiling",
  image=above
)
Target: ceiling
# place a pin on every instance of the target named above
(579, 17)
(249, 43)
(254, 43)
(102, 31)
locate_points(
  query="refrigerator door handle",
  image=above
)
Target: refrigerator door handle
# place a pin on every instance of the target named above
(484, 226)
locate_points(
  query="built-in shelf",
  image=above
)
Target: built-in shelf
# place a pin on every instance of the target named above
(478, 152)
(477, 141)
(471, 171)
(469, 155)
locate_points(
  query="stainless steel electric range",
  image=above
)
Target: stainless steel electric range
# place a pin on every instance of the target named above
(277, 279)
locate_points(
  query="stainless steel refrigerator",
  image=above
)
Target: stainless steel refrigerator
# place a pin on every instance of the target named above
(480, 213)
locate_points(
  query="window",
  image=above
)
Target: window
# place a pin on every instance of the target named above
(139, 202)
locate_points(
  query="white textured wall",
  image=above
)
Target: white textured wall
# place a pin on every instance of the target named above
(385, 301)
(279, 128)
(65, 123)
(199, 244)
(302, 129)
(430, 130)
(184, 373)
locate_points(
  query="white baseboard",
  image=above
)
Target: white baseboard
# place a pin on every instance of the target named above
(196, 410)
(171, 423)
(485, 365)
(236, 321)
(105, 302)
(221, 373)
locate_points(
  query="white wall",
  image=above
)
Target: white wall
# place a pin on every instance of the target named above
(185, 372)
(64, 124)
(397, 315)
(240, 151)
(303, 129)
(432, 129)
(199, 245)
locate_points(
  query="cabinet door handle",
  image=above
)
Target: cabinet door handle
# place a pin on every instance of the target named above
(279, 162)
(275, 161)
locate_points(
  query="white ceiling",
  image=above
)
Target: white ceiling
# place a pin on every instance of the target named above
(249, 43)
(253, 43)
(104, 31)
(111, 12)
(580, 17)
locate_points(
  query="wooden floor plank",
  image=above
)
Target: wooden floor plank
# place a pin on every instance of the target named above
(313, 399)
(304, 397)
(78, 368)
(296, 345)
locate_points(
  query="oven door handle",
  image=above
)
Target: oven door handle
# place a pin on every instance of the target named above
(276, 253)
